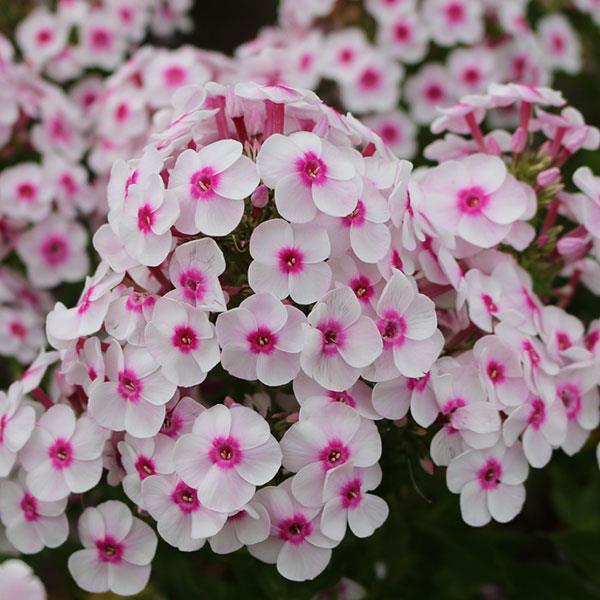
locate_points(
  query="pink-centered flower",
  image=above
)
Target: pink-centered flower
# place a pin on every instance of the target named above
(182, 340)
(210, 185)
(18, 581)
(490, 483)
(289, 260)
(229, 452)
(308, 174)
(407, 325)
(475, 198)
(133, 396)
(262, 339)
(63, 455)
(117, 550)
(324, 438)
(339, 342)
(348, 503)
(296, 543)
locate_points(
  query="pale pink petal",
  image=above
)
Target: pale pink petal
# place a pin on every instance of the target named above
(89, 574)
(127, 579)
(473, 505)
(302, 562)
(368, 515)
(294, 200)
(506, 501)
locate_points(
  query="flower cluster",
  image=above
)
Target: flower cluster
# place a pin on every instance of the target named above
(398, 78)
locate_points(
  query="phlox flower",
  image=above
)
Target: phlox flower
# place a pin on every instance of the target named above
(348, 503)
(182, 340)
(430, 88)
(117, 550)
(100, 42)
(133, 395)
(31, 524)
(490, 483)
(324, 438)
(70, 182)
(472, 68)
(18, 581)
(475, 198)
(404, 35)
(24, 193)
(469, 420)
(54, 251)
(128, 314)
(563, 335)
(289, 261)
(33, 375)
(392, 399)
(397, 130)
(407, 326)
(262, 339)
(229, 452)
(180, 416)
(87, 366)
(363, 279)
(41, 36)
(250, 525)
(454, 21)
(210, 185)
(296, 544)
(22, 333)
(542, 427)
(142, 458)
(342, 52)
(308, 174)
(339, 342)
(123, 115)
(63, 454)
(16, 424)
(183, 521)
(560, 43)
(194, 270)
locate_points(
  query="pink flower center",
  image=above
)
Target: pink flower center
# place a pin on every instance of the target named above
(27, 192)
(455, 13)
(351, 494)
(18, 330)
(122, 112)
(186, 498)
(357, 217)
(370, 79)
(174, 76)
(333, 336)
(402, 32)
(145, 467)
(3, 422)
(334, 454)
(312, 169)
(61, 454)
(471, 76)
(563, 341)
(343, 397)
(85, 302)
(570, 395)
(418, 383)
(101, 39)
(537, 416)
(131, 180)
(434, 92)
(59, 130)
(44, 36)
(29, 505)
(109, 550)
(203, 184)
(193, 283)
(592, 339)
(262, 341)
(472, 200)
(145, 218)
(390, 133)
(489, 304)
(557, 42)
(172, 425)
(534, 357)
(495, 372)
(185, 339)
(68, 184)
(362, 288)
(225, 452)
(449, 408)
(129, 386)
(290, 260)
(490, 474)
(346, 55)
(295, 529)
(55, 250)
(392, 328)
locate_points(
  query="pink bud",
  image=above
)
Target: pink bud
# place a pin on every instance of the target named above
(548, 177)
(260, 196)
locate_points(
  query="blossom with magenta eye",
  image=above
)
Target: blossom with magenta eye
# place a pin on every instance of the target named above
(183, 341)
(325, 438)
(63, 455)
(210, 186)
(308, 174)
(133, 396)
(229, 452)
(289, 260)
(490, 483)
(407, 325)
(296, 544)
(117, 550)
(340, 341)
(262, 339)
